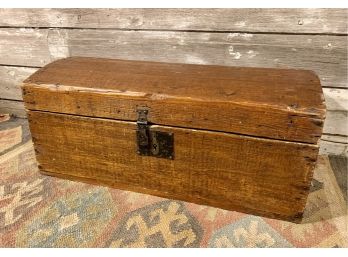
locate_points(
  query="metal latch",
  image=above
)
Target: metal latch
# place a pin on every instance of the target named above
(152, 142)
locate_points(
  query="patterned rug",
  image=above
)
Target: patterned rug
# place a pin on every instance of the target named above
(41, 211)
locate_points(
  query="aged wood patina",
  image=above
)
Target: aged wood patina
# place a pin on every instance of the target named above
(243, 139)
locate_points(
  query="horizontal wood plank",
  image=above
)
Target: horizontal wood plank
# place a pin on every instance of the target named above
(13, 107)
(336, 99)
(19, 46)
(336, 123)
(335, 138)
(333, 148)
(249, 20)
(11, 79)
(326, 55)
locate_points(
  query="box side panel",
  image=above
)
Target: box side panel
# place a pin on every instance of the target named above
(258, 176)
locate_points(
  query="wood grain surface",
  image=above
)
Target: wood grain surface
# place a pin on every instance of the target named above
(334, 145)
(11, 79)
(259, 176)
(271, 103)
(12, 107)
(326, 55)
(314, 39)
(336, 123)
(314, 21)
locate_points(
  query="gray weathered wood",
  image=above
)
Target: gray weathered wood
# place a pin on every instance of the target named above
(339, 166)
(13, 107)
(335, 138)
(333, 148)
(336, 99)
(326, 55)
(19, 46)
(333, 145)
(250, 20)
(10, 80)
(336, 123)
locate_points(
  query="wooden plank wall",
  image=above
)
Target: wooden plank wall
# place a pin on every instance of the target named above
(314, 39)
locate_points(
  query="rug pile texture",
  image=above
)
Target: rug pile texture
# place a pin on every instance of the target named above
(42, 211)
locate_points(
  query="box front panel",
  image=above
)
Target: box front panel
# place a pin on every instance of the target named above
(259, 176)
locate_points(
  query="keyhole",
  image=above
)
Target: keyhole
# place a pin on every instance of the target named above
(155, 145)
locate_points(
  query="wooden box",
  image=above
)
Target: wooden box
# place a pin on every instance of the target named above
(241, 139)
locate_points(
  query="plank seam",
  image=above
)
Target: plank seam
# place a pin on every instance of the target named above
(331, 134)
(19, 66)
(330, 141)
(172, 126)
(326, 134)
(14, 100)
(183, 30)
(342, 88)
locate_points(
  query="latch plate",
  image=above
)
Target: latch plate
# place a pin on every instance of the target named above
(152, 142)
